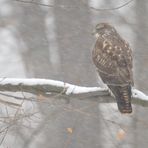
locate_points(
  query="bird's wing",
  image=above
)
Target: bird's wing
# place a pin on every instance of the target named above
(113, 59)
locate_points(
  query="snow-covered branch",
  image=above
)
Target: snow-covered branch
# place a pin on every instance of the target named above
(46, 86)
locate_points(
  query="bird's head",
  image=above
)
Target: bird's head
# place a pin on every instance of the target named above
(102, 28)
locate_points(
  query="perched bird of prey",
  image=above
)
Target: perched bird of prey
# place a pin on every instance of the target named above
(112, 57)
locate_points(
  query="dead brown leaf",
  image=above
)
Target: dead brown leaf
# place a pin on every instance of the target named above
(121, 134)
(70, 130)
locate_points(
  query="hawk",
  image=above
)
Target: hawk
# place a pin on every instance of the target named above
(112, 57)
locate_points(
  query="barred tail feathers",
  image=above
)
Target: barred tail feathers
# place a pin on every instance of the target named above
(123, 97)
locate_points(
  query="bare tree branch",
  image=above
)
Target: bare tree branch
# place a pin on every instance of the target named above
(110, 9)
(65, 7)
(33, 2)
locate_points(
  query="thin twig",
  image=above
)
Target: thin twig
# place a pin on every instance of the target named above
(64, 6)
(6, 131)
(10, 103)
(19, 98)
(110, 9)
(45, 5)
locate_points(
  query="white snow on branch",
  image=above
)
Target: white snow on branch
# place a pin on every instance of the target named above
(50, 86)
(73, 89)
(47, 86)
(33, 81)
(140, 95)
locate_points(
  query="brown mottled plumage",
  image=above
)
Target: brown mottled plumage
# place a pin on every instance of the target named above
(113, 58)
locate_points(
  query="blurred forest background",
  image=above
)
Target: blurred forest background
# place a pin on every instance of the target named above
(52, 39)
